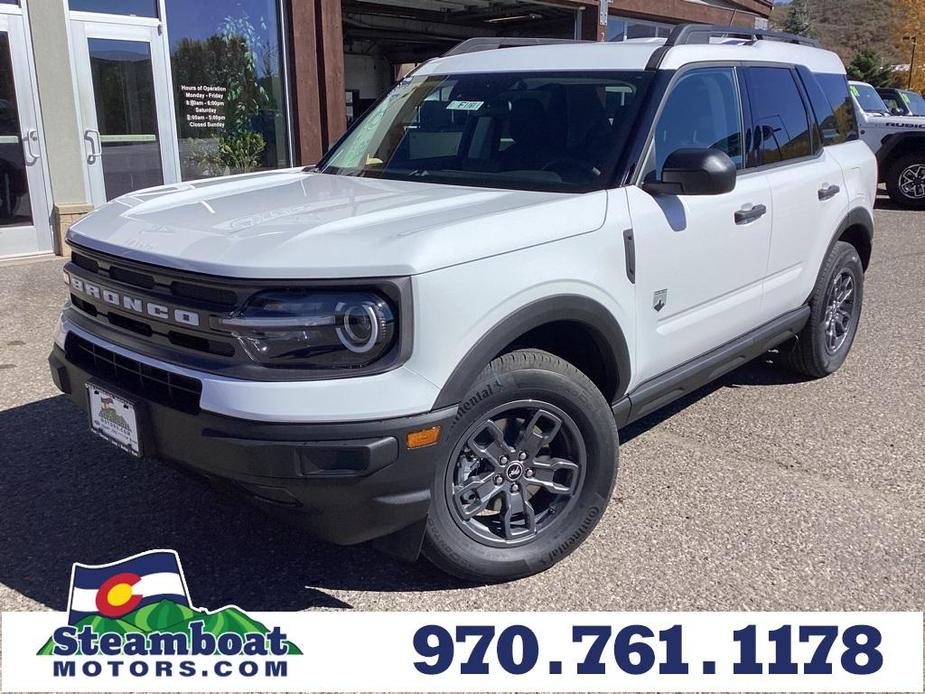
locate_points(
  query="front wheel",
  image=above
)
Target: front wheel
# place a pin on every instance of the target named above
(905, 181)
(532, 464)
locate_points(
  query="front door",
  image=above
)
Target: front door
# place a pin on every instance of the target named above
(124, 106)
(700, 260)
(24, 213)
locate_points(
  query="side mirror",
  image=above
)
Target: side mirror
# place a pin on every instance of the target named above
(695, 172)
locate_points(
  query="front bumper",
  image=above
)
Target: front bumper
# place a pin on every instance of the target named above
(344, 482)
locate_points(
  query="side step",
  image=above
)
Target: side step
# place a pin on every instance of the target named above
(671, 385)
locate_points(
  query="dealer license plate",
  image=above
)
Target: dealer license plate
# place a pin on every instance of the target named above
(114, 419)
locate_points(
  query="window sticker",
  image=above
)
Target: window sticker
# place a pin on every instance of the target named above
(464, 105)
(854, 90)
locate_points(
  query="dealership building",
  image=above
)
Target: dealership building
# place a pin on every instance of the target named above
(103, 97)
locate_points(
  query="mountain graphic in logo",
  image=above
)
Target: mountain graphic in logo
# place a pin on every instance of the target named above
(108, 412)
(143, 601)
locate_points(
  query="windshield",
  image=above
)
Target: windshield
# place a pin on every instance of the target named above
(869, 99)
(534, 131)
(914, 102)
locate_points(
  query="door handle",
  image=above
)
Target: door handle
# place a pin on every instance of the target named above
(30, 137)
(828, 192)
(96, 146)
(747, 215)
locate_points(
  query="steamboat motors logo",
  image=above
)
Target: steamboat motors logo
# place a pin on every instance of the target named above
(134, 618)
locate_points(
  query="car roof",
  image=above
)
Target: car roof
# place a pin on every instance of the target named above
(630, 55)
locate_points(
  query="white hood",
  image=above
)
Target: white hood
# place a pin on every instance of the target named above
(293, 224)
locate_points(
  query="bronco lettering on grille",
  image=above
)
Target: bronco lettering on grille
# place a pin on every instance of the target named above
(133, 304)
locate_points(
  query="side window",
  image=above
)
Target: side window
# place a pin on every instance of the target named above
(835, 88)
(702, 111)
(781, 125)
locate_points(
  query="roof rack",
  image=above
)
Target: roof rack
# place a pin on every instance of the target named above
(686, 34)
(490, 43)
(689, 34)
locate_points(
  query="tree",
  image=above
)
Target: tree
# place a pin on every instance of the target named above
(799, 20)
(868, 66)
(911, 27)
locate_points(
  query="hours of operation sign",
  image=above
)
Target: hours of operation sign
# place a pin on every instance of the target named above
(203, 106)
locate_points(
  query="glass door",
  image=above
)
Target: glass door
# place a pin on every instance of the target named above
(24, 214)
(124, 86)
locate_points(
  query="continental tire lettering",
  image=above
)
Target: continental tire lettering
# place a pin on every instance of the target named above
(573, 539)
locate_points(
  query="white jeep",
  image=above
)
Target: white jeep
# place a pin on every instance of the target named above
(431, 338)
(899, 143)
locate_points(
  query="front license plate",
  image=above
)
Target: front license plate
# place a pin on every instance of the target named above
(114, 419)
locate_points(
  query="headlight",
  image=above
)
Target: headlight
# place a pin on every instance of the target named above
(314, 329)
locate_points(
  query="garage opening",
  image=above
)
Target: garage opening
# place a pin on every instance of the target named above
(386, 39)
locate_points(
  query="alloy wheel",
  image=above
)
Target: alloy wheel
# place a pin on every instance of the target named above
(912, 182)
(839, 312)
(515, 472)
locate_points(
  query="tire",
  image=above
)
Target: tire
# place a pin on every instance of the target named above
(485, 494)
(816, 352)
(898, 175)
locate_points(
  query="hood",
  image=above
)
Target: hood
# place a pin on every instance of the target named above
(300, 225)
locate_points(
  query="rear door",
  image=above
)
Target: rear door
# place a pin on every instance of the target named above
(808, 189)
(700, 260)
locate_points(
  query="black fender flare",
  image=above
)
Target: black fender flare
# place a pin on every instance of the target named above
(592, 315)
(860, 218)
(904, 142)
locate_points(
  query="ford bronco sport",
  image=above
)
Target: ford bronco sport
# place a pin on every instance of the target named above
(431, 338)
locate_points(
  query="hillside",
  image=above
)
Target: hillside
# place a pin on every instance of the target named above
(847, 26)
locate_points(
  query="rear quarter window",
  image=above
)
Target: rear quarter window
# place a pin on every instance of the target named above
(835, 88)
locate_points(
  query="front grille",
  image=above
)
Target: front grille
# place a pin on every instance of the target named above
(172, 289)
(147, 382)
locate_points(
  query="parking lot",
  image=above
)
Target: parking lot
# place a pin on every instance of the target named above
(762, 491)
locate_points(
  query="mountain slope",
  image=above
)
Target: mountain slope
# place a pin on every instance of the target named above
(849, 26)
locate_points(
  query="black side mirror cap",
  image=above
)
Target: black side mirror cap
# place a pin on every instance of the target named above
(695, 172)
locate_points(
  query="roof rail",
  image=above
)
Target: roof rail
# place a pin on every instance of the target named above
(490, 43)
(688, 34)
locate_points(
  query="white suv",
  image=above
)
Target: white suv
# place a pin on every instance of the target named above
(432, 338)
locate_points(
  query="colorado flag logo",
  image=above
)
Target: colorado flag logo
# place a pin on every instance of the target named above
(117, 589)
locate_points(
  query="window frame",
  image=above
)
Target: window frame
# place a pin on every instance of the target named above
(815, 138)
(647, 160)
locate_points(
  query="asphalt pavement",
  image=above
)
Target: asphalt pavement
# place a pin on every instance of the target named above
(763, 491)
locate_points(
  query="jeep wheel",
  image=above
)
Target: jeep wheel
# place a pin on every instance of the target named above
(835, 310)
(905, 181)
(533, 459)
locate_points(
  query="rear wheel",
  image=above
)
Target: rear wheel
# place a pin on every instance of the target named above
(532, 464)
(905, 181)
(835, 311)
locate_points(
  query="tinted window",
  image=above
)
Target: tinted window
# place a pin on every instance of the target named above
(781, 126)
(868, 98)
(549, 131)
(836, 91)
(702, 111)
(914, 102)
